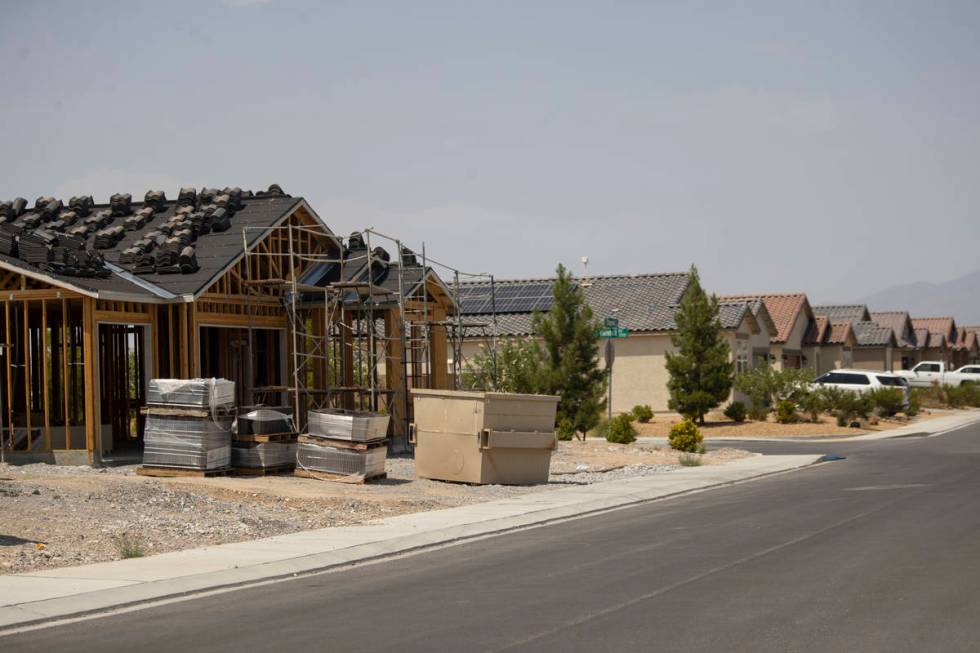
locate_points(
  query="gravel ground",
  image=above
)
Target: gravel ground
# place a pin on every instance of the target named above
(54, 516)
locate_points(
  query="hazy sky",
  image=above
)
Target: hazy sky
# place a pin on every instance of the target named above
(832, 150)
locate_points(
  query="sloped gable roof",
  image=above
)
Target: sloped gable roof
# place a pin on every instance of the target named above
(840, 333)
(872, 334)
(843, 312)
(901, 325)
(946, 326)
(816, 333)
(784, 309)
(643, 303)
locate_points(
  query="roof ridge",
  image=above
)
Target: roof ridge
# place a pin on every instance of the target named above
(591, 277)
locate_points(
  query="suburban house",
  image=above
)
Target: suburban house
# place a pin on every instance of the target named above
(941, 339)
(875, 343)
(829, 346)
(792, 316)
(907, 349)
(644, 304)
(98, 299)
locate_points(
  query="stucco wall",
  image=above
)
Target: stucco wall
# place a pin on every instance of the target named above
(871, 358)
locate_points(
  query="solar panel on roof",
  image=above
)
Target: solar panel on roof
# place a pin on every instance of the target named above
(509, 298)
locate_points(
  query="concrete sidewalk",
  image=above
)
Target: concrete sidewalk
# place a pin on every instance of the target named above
(56, 594)
(929, 428)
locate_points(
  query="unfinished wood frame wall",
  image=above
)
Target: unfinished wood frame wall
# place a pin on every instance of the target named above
(43, 389)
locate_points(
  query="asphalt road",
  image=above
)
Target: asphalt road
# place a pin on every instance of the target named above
(880, 552)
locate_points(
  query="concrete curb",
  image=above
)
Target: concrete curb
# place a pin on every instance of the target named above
(931, 428)
(40, 599)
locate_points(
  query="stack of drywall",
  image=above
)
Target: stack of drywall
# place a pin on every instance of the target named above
(188, 424)
(264, 441)
(342, 443)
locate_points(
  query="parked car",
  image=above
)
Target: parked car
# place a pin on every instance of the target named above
(863, 381)
(926, 373)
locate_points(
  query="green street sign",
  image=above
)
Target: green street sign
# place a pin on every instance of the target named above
(618, 332)
(611, 323)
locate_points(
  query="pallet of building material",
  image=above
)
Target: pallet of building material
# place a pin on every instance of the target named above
(187, 442)
(262, 421)
(265, 437)
(279, 470)
(258, 455)
(340, 462)
(161, 471)
(191, 392)
(220, 412)
(357, 426)
(342, 444)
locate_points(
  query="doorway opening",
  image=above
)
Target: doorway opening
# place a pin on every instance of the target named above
(122, 387)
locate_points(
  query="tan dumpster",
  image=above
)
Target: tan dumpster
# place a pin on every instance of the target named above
(483, 437)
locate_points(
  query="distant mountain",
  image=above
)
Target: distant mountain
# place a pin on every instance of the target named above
(959, 298)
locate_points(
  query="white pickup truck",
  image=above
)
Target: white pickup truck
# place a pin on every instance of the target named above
(926, 373)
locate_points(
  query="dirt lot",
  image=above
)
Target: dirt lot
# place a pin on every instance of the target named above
(718, 426)
(56, 516)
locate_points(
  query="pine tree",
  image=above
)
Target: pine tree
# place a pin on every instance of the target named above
(570, 348)
(701, 371)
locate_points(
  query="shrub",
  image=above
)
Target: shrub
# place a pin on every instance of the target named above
(758, 412)
(643, 414)
(766, 386)
(853, 405)
(961, 396)
(129, 546)
(689, 460)
(813, 403)
(566, 430)
(832, 397)
(736, 411)
(914, 403)
(887, 401)
(621, 429)
(786, 412)
(841, 419)
(686, 436)
(601, 429)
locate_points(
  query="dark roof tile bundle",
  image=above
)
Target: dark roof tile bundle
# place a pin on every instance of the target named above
(155, 200)
(187, 197)
(120, 205)
(109, 237)
(81, 204)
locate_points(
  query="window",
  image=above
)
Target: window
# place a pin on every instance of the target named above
(927, 367)
(971, 370)
(742, 357)
(844, 378)
(892, 381)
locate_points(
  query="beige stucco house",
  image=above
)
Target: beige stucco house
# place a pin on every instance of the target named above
(792, 318)
(907, 351)
(937, 338)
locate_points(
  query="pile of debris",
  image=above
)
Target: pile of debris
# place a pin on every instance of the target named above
(188, 427)
(343, 445)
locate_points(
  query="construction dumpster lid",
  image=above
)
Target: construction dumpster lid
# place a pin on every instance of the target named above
(476, 394)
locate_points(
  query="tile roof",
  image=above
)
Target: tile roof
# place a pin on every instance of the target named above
(937, 340)
(839, 334)
(967, 339)
(783, 309)
(901, 325)
(643, 303)
(843, 312)
(872, 334)
(921, 338)
(816, 333)
(944, 325)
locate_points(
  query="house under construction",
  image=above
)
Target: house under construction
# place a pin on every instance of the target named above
(252, 287)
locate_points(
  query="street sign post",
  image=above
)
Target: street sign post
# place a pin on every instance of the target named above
(617, 332)
(611, 322)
